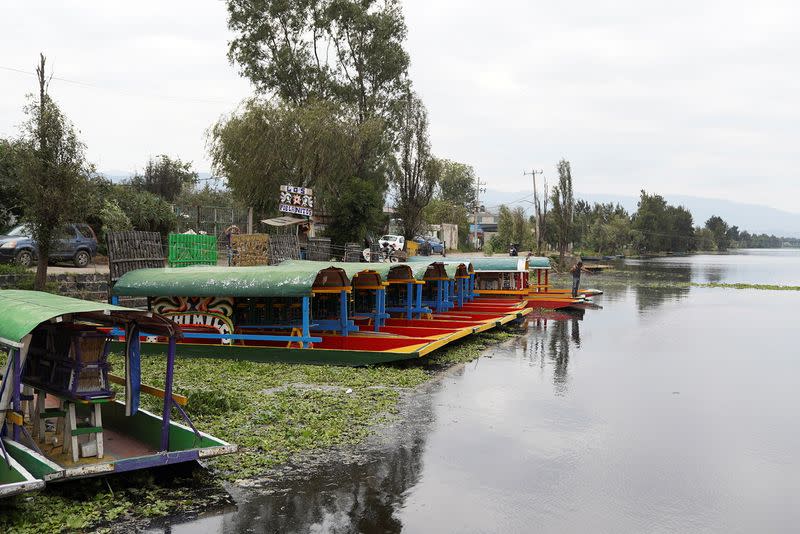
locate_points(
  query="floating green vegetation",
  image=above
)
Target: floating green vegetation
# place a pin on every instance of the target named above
(655, 280)
(766, 287)
(93, 504)
(272, 411)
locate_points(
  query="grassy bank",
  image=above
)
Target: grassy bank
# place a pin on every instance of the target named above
(272, 411)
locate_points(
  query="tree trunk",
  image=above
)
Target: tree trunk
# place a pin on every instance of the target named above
(40, 281)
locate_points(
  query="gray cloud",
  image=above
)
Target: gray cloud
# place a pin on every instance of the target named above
(678, 97)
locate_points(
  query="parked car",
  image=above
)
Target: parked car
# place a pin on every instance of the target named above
(77, 243)
(432, 244)
(396, 242)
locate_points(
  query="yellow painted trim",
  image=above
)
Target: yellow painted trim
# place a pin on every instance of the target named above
(348, 289)
(15, 418)
(501, 291)
(156, 392)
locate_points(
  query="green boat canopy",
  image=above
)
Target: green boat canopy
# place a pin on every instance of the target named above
(494, 263)
(290, 280)
(22, 311)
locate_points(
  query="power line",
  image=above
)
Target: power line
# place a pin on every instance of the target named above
(124, 91)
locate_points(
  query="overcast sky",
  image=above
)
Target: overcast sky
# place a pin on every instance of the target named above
(685, 97)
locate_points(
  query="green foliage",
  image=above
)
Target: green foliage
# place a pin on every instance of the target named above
(704, 239)
(354, 215)
(51, 166)
(562, 230)
(144, 210)
(91, 505)
(345, 51)
(417, 172)
(457, 183)
(512, 227)
(113, 218)
(165, 177)
(318, 148)
(660, 227)
(719, 229)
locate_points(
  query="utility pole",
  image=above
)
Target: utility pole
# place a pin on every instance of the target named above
(478, 190)
(536, 208)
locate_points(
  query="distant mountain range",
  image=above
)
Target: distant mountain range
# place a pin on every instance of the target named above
(751, 217)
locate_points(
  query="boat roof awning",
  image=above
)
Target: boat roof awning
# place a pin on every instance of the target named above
(22, 311)
(283, 221)
(292, 280)
(506, 263)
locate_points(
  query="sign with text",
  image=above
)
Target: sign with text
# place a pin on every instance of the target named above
(297, 200)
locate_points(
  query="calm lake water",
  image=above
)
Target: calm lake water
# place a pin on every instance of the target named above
(669, 410)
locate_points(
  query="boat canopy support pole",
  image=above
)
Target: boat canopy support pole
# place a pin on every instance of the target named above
(419, 297)
(472, 287)
(168, 394)
(461, 290)
(16, 384)
(343, 311)
(380, 308)
(409, 300)
(306, 322)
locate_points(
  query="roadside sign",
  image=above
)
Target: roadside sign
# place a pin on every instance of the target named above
(297, 200)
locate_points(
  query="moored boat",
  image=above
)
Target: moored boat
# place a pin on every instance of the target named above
(58, 370)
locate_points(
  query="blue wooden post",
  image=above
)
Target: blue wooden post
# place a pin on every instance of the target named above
(461, 290)
(380, 308)
(419, 297)
(306, 321)
(439, 296)
(343, 311)
(17, 376)
(168, 395)
(409, 300)
(115, 300)
(472, 287)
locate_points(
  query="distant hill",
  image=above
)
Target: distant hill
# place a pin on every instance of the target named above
(751, 217)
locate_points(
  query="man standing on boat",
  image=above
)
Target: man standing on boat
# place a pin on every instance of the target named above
(576, 276)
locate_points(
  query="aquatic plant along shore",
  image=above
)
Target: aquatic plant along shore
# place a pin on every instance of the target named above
(272, 411)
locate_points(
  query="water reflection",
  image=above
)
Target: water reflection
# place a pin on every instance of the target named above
(357, 493)
(552, 336)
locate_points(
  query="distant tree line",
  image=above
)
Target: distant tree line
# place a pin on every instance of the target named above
(608, 229)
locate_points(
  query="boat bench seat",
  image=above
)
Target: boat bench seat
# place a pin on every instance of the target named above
(67, 427)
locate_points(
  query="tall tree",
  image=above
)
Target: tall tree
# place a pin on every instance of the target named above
(417, 171)
(563, 202)
(719, 229)
(165, 177)
(457, 183)
(651, 223)
(348, 51)
(681, 229)
(52, 167)
(267, 144)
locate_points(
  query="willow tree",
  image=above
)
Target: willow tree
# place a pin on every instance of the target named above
(563, 201)
(267, 144)
(336, 69)
(52, 169)
(416, 172)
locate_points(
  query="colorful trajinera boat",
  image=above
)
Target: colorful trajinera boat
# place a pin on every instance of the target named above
(57, 371)
(311, 312)
(498, 280)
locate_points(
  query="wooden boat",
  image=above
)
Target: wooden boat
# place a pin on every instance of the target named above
(300, 311)
(57, 369)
